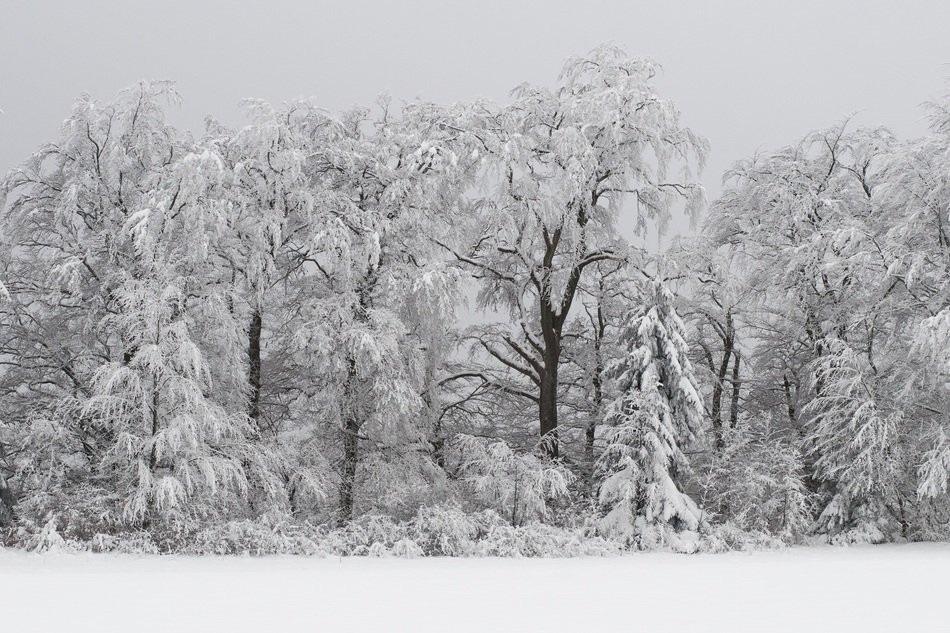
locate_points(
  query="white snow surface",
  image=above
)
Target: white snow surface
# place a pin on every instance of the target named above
(893, 588)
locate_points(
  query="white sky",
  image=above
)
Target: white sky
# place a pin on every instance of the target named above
(748, 75)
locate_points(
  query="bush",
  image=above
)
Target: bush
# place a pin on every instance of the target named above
(729, 537)
(519, 486)
(539, 540)
(48, 539)
(257, 538)
(447, 531)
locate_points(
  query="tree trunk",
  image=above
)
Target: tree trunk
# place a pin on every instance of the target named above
(728, 342)
(254, 366)
(352, 415)
(156, 402)
(598, 403)
(7, 503)
(736, 387)
(547, 406)
(789, 403)
(433, 408)
(155, 407)
(598, 385)
(351, 439)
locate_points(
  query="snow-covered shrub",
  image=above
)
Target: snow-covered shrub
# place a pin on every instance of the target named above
(49, 539)
(540, 540)
(756, 482)
(407, 548)
(447, 530)
(257, 538)
(932, 520)
(863, 532)
(399, 485)
(79, 511)
(728, 537)
(362, 534)
(519, 486)
(132, 542)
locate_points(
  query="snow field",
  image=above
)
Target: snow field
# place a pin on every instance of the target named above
(892, 588)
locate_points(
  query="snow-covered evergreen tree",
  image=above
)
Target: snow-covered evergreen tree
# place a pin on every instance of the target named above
(657, 415)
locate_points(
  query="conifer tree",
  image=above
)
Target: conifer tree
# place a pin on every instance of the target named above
(656, 416)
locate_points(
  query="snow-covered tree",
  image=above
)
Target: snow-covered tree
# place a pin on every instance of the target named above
(858, 443)
(656, 417)
(756, 480)
(715, 298)
(65, 253)
(560, 167)
(63, 212)
(169, 441)
(378, 293)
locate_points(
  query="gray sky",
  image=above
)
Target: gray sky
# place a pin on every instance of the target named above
(747, 74)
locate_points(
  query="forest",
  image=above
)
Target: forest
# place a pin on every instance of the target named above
(418, 329)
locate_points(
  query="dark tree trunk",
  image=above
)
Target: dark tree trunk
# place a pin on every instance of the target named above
(352, 413)
(438, 443)
(598, 403)
(351, 439)
(597, 381)
(550, 361)
(254, 366)
(547, 407)
(7, 503)
(728, 343)
(789, 403)
(438, 436)
(433, 408)
(156, 403)
(736, 388)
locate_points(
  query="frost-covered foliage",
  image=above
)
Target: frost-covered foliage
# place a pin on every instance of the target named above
(654, 419)
(518, 486)
(169, 442)
(857, 445)
(756, 482)
(248, 341)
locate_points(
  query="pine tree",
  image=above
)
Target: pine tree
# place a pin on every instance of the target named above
(656, 416)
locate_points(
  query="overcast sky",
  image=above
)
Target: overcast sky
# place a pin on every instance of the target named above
(749, 75)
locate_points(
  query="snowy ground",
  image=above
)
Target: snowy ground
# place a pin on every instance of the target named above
(893, 588)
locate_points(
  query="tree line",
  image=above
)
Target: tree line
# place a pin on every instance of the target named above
(277, 320)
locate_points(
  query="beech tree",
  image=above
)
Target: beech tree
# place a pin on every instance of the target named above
(66, 252)
(716, 297)
(379, 294)
(270, 198)
(564, 164)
